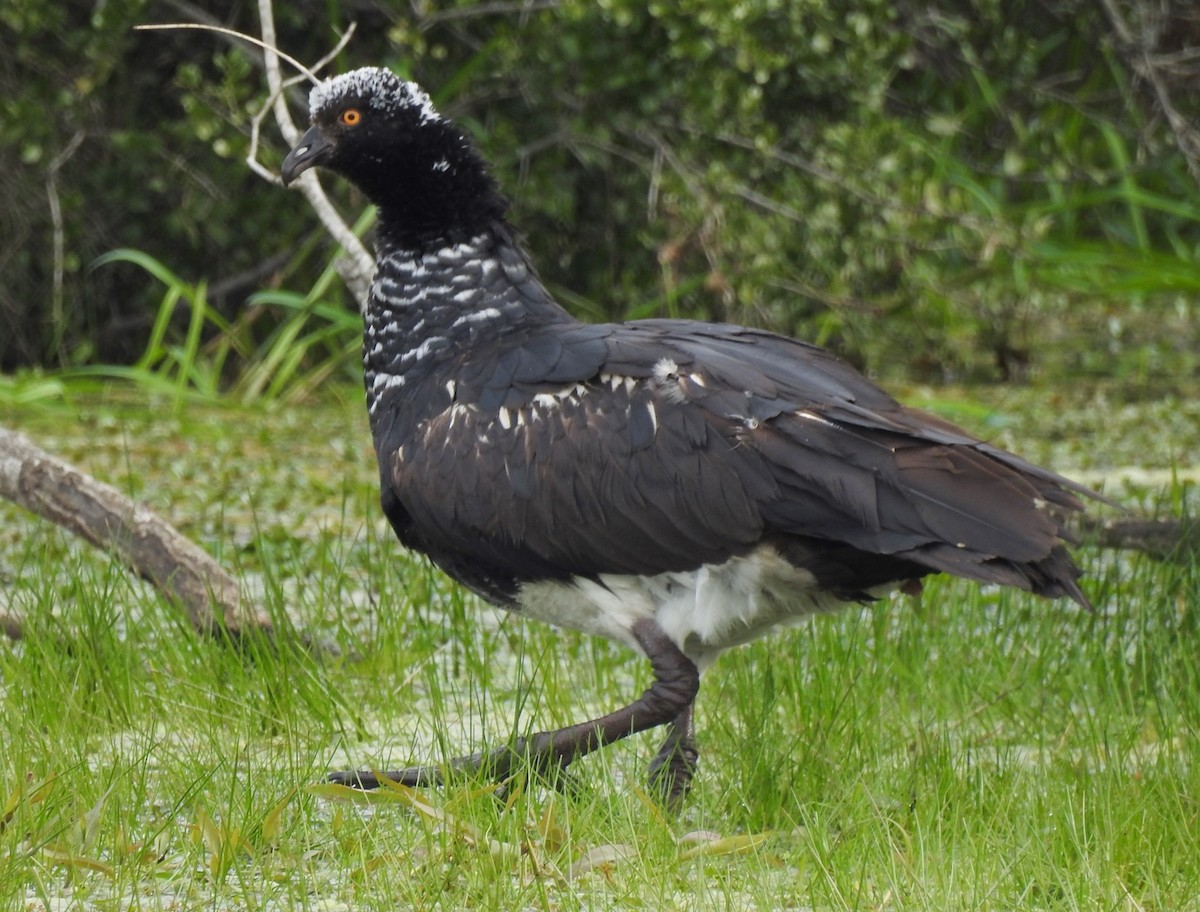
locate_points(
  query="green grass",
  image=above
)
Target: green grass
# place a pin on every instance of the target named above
(972, 749)
(284, 346)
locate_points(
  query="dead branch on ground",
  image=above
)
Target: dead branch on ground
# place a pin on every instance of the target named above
(141, 539)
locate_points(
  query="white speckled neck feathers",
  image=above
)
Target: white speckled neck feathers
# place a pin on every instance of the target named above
(431, 309)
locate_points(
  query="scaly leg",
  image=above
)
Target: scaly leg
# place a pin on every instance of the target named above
(674, 765)
(668, 699)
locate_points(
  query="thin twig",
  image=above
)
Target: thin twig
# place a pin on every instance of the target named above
(358, 266)
(200, 16)
(256, 123)
(59, 253)
(664, 152)
(286, 125)
(205, 27)
(501, 8)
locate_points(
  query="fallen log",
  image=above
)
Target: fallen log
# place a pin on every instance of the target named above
(1162, 539)
(142, 540)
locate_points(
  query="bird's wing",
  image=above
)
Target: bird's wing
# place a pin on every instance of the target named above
(855, 466)
(663, 445)
(545, 463)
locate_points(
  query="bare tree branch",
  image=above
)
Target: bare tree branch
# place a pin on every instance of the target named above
(359, 266)
(1138, 48)
(59, 253)
(53, 489)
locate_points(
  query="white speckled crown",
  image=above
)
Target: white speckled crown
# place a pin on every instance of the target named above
(380, 88)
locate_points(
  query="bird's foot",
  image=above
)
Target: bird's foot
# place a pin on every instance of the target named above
(671, 772)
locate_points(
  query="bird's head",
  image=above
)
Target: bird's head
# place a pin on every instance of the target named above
(356, 117)
(384, 135)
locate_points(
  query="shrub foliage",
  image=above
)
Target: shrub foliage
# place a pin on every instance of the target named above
(944, 190)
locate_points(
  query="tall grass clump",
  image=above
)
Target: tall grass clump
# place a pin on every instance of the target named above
(283, 346)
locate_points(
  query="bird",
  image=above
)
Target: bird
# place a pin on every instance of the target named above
(679, 487)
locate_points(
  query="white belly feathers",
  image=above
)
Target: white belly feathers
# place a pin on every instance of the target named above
(703, 611)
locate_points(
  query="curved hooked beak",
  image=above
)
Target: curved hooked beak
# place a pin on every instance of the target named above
(311, 150)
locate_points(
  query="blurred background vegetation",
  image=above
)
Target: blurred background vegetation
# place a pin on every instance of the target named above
(955, 190)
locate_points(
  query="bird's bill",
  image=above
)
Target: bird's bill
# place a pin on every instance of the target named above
(311, 150)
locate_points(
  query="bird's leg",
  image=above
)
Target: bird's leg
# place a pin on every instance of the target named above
(675, 764)
(668, 699)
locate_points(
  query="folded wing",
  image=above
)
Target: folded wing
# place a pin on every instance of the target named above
(664, 445)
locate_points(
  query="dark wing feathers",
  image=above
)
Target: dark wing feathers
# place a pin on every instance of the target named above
(587, 499)
(725, 435)
(966, 507)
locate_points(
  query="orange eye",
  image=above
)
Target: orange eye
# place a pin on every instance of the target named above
(351, 117)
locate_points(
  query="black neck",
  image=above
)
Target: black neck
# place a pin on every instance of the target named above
(442, 194)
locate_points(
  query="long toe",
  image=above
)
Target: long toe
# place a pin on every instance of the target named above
(413, 776)
(535, 755)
